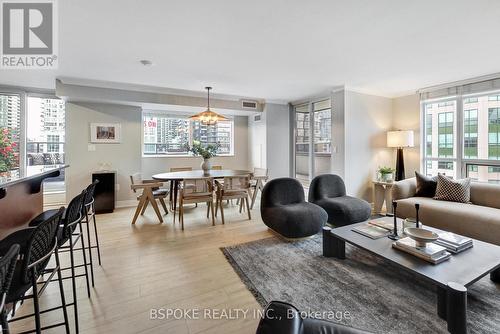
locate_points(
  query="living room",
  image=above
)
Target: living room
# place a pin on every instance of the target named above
(262, 167)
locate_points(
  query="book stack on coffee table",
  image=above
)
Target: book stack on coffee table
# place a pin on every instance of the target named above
(431, 252)
(453, 243)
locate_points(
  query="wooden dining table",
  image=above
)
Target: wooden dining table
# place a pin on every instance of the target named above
(176, 177)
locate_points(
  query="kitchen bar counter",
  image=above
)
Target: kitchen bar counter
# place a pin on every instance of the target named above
(21, 197)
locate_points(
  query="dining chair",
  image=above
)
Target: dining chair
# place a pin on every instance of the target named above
(181, 169)
(196, 191)
(259, 177)
(233, 187)
(151, 191)
(173, 187)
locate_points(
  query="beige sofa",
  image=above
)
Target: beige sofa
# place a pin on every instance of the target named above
(479, 219)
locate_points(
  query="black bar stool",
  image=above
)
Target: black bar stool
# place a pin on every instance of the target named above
(89, 215)
(37, 246)
(7, 267)
(68, 237)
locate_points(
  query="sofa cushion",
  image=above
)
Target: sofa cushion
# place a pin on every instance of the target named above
(452, 190)
(486, 194)
(426, 185)
(297, 220)
(474, 221)
(345, 210)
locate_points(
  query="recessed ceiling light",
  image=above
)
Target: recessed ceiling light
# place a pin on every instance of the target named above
(146, 62)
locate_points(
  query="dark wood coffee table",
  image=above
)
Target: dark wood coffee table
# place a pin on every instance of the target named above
(452, 277)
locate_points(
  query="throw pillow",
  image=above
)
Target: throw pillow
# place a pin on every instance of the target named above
(452, 190)
(426, 186)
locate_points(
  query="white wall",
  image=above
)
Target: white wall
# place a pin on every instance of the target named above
(257, 143)
(367, 119)
(278, 139)
(406, 116)
(269, 140)
(123, 157)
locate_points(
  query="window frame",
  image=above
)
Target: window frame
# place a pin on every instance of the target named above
(459, 159)
(177, 115)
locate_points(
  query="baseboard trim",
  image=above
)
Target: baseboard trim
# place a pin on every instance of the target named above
(126, 204)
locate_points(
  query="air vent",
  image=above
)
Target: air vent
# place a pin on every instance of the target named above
(246, 104)
(257, 118)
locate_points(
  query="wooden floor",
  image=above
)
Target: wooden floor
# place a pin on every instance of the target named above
(152, 265)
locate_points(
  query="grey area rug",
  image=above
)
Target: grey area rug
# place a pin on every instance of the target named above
(378, 296)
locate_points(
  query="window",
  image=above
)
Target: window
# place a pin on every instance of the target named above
(470, 133)
(470, 100)
(166, 134)
(10, 127)
(445, 165)
(493, 133)
(477, 155)
(428, 125)
(45, 137)
(322, 127)
(302, 122)
(445, 135)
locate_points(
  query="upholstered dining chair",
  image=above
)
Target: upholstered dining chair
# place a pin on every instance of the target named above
(196, 191)
(259, 177)
(233, 187)
(177, 169)
(151, 191)
(181, 169)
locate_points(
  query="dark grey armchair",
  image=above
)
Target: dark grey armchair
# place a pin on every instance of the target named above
(283, 209)
(283, 318)
(328, 191)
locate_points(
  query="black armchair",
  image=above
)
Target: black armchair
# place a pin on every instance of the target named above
(283, 209)
(328, 191)
(283, 318)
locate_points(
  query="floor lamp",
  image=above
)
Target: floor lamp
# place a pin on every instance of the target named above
(400, 139)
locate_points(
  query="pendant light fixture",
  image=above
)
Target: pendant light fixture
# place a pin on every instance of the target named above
(208, 116)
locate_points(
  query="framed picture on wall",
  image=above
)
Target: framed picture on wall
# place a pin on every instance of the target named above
(105, 133)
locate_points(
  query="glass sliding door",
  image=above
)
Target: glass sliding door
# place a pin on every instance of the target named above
(322, 115)
(313, 136)
(302, 143)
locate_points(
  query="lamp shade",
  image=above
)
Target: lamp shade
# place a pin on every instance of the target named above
(401, 138)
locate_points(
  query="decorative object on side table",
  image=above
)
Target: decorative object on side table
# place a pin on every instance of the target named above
(385, 174)
(206, 152)
(400, 139)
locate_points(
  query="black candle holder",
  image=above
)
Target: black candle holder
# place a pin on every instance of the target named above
(394, 235)
(417, 207)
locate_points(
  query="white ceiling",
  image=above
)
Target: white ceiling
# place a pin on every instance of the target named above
(274, 49)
